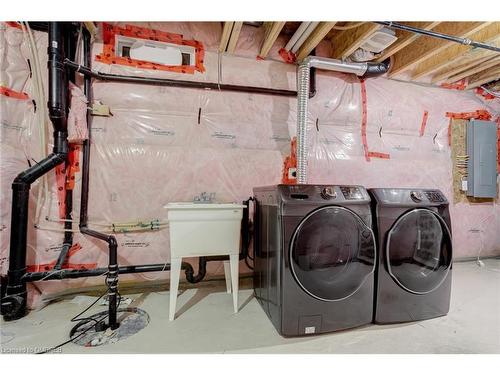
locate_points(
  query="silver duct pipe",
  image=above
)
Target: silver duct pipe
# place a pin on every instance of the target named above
(303, 77)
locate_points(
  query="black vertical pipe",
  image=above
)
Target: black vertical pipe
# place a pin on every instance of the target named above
(70, 51)
(13, 305)
(112, 275)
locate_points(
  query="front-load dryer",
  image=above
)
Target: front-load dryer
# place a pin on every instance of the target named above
(314, 257)
(413, 277)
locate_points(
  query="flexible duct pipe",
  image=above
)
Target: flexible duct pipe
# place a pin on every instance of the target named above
(364, 70)
(304, 36)
(303, 26)
(302, 104)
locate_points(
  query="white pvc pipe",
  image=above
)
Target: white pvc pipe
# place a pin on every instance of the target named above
(304, 36)
(303, 26)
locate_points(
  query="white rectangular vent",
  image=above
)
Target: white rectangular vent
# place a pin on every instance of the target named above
(379, 40)
(156, 52)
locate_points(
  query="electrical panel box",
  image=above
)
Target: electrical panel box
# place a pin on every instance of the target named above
(482, 161)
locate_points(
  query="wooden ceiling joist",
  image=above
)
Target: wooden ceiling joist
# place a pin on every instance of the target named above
(345, 42)
(443, 74)
(233, 39)
(313, 40)
(405, 38)
(484, 77)
(488, 34)
(226, 33)
(495, 61)
(272, 31)
(230, 35)
(425, 47)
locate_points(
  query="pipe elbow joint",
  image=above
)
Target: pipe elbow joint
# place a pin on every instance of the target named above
(21, 181)
(376, 69)
(112, 241)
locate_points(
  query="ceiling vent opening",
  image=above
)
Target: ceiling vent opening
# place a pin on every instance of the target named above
(372, 47)
(379, 40)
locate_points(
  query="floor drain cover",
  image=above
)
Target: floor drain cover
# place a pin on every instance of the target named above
(131, 320)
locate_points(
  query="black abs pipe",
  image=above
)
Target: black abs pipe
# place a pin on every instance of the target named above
(13, 305)
(112, 273)
(434, 34)
(85, 70)
(70, 50)
(75, 274)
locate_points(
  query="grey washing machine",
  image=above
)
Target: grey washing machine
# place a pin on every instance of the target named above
(314, 258)
(413, 277)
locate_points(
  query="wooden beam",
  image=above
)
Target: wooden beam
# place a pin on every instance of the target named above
(313, 40)
(411, 55)
(457, 68)
(272, 31)
(226, 33)
(235, 34)
(446, 57)
(345, 42)
(486, 76)
(405, 38)
(478, 68)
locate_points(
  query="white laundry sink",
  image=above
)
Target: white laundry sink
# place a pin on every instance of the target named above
(200, 229)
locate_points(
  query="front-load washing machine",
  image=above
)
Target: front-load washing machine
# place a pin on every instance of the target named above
(413, 276)
(314, 258)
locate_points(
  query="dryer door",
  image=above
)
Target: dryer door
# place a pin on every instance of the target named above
(418, 251)
(332, 252)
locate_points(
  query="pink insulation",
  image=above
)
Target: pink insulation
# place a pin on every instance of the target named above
(165, 144)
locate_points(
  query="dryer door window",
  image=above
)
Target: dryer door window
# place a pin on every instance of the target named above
(418, 251)
(332, 253)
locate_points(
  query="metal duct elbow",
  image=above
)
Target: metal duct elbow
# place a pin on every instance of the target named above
(376, 69)
(335, 65)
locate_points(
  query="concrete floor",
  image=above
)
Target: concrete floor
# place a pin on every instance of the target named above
(205, 324)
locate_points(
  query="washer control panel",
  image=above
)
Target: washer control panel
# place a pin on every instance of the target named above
(434, 196)
(328, 192)
(416, 196)
(352, 192)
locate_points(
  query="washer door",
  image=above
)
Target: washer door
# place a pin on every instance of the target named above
(332, 252)
(418, 251)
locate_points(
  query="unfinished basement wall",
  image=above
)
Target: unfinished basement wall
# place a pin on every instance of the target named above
(164, 145)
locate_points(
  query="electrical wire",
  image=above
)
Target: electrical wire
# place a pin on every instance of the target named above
(494, 93)
(479, 262)
(73, 338)
(41, 115)
(248, 265)
(77, 318)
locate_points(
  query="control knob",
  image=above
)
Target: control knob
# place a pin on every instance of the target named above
(328, 193)
(416, 196)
